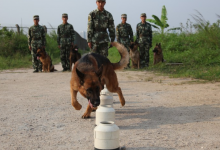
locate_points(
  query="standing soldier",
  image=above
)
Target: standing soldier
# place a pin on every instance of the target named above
(124, 33)
(144, 39)
(65, 40)
(36, 39)
(99, 21)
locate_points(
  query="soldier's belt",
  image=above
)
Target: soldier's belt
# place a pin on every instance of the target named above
(100, 30)
(124, 37)
(65, 37)
(36, 39)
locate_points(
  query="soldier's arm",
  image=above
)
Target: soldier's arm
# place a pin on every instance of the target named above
(90, 29)
(72, 34)
(58, 35)
(29, 37)
(111, 28)
(117, 35)
(150, 36)
(43, 37)
(137, 34)
(131, 35)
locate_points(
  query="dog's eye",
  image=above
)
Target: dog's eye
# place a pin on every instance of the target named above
(89, 91)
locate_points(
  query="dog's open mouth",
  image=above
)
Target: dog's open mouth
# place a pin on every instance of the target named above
(76, 49)
(38, 57)
(90, 104)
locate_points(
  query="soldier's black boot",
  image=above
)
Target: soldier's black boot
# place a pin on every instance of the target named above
(35, 71)
(64, 69)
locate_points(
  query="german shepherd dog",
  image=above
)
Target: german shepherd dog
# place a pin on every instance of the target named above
(74, 55)
(158, 54)
(89, 75)
(47, 65)
(134, 55)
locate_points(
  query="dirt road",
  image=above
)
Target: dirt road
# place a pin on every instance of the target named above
(160, 113)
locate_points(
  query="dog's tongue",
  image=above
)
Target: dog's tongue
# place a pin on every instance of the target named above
(76, 49)
(90, 104)
(154, 54)
(38, 58)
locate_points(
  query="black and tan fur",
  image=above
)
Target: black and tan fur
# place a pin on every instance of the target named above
(158, 54)
(74, 55)
(134, 55)
(47, 65)
(89, 75)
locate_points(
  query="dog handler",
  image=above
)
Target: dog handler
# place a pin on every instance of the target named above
(124, 33)
(36, 39)
(65, 40)
(144, 39)
(99, 21)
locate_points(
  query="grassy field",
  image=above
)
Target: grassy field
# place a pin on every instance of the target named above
(198, 51)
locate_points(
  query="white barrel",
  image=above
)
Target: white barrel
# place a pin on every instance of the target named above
(106, 136)
(105, 113)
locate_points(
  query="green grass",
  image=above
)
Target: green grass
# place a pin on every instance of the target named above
(199, 52)
(16, 61)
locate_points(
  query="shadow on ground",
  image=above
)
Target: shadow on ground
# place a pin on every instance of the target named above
(154, 117)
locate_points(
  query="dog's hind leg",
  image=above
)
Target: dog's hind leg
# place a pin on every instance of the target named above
(74, 101)
(138, 63)
(113, 87)
(87, 113)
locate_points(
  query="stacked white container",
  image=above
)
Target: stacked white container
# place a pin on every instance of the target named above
(106, 133)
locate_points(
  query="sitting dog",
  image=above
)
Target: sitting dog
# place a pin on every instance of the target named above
(74, 55)
(89, 75)
(47, 65)
(158, 54)
(134, 55)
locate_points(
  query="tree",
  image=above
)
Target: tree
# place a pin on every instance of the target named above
(161, 23)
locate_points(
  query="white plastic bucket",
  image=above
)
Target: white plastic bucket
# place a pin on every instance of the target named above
(106, 136)
(105, 113)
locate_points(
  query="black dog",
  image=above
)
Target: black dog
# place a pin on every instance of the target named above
(74, 55)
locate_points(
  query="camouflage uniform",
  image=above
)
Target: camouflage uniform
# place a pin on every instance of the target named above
(124, 34)
(98, 22)
(144, 38)
(65, 39)
(36, 39)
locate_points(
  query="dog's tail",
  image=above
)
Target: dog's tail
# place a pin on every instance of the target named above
(124, 57)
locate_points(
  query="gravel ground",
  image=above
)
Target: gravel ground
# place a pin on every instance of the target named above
(161, 113)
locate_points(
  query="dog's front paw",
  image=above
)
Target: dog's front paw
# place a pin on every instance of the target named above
(77, 106)
(85, 116)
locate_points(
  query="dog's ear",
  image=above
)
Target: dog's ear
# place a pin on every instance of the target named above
(159, 45)
(156, 44)
(99, 72)
(132, 45)
(80, 75)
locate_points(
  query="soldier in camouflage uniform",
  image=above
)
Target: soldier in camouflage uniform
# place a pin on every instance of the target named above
(36, 39)
(65, 40)
(99, 21)
(144, 39)
(124, 33)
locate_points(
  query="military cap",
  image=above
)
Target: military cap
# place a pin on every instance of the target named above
(64, 15)
(100, 0)
(36, 17)
(143, 15)
(124, 15)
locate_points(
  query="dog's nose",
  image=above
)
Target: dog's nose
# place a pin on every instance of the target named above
(97, 103)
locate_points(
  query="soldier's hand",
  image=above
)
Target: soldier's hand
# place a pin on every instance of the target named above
(59, 46)
(30, 48)
(90, 45)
